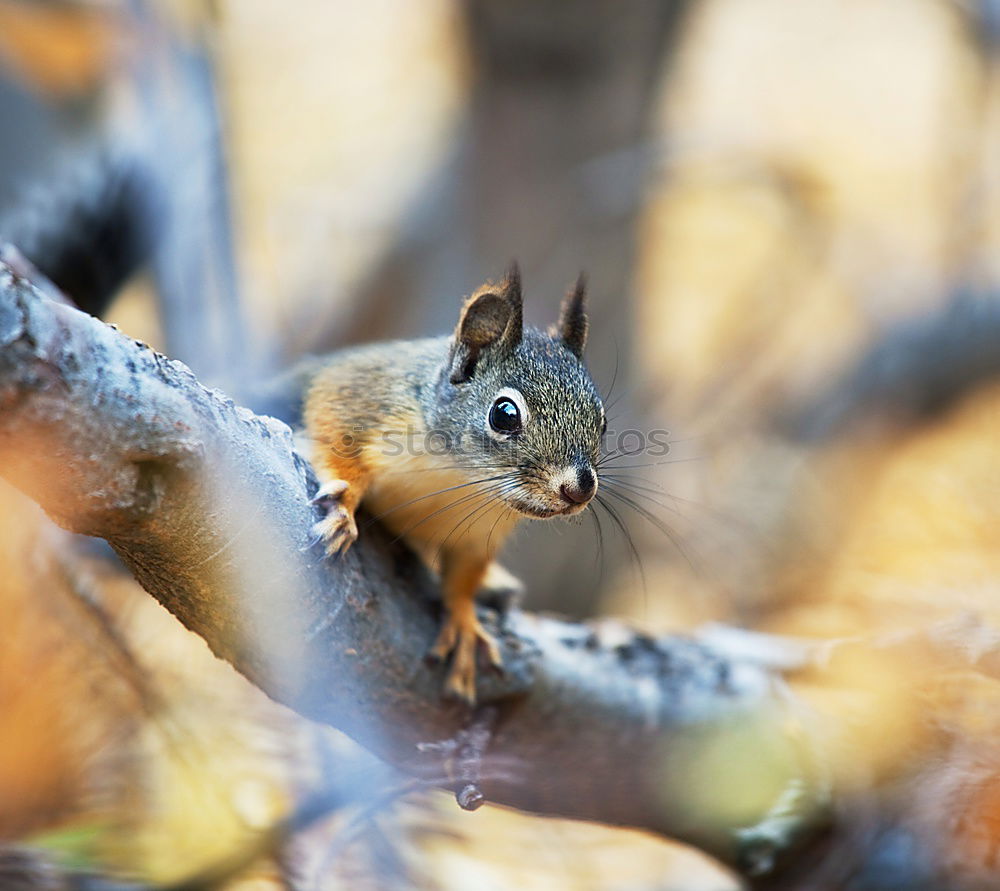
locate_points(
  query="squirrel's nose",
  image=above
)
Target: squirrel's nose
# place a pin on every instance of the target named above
(583, 490)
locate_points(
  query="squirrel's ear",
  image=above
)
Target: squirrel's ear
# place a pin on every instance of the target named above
(491, 317)
(573, 325)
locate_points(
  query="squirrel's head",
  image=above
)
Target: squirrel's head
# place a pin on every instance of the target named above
(530, 418)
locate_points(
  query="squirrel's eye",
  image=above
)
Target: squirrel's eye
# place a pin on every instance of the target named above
(505, 416)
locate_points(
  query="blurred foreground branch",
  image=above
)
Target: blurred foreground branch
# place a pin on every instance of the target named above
(208, 505)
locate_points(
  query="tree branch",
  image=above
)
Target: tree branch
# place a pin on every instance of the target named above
(208, 505)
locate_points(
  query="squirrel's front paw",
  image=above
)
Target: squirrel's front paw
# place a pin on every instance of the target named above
(337, 528)
(459, 638)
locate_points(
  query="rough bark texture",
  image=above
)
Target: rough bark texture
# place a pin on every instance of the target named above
(208, 505)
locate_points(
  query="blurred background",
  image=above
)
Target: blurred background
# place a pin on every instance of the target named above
(789, 214)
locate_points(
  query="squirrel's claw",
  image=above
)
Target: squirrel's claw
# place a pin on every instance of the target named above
(459, 638)
(337, 528)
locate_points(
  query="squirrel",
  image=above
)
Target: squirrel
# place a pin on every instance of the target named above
(450, 441)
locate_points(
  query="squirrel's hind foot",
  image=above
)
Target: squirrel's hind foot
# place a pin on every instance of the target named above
(500, 591)
(337, 528)
(459, 638)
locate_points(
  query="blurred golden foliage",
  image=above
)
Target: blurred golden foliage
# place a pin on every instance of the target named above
(335, 126)
(60, 50)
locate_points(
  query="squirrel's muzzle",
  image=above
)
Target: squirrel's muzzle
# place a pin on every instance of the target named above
(577, 485)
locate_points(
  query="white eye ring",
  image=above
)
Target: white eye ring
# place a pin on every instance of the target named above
(515, 396)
